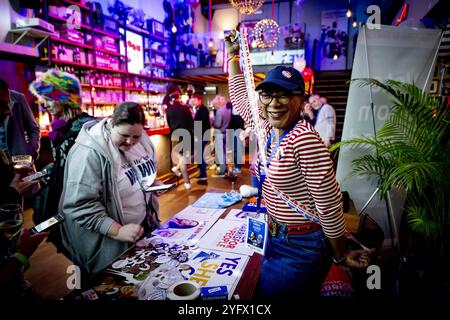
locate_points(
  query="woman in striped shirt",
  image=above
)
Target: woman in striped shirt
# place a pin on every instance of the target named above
(299, 180)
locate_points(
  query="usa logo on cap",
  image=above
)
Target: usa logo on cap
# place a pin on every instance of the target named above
(286, 74)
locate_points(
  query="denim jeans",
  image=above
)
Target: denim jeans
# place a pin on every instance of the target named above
(295, 266)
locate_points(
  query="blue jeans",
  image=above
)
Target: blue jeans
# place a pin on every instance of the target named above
(295, 266)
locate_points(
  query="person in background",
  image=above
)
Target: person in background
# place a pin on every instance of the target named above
(181, 124)
(11, 185)
(325, 119)
(61, 93)
(299, 250)
(19, 132)
(12, 284)
(221, 123)
(104, 202)
(237, 125)
(201, 118)
(309, 114)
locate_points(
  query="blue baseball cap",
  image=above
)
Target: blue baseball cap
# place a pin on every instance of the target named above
(285, 77)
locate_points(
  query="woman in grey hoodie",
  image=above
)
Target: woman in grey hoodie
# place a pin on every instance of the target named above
(106, 208)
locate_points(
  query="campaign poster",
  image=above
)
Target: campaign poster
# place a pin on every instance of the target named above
(210, 268)
(226, 235)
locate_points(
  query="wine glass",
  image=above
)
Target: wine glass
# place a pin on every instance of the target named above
(232, 176)
(11, 222)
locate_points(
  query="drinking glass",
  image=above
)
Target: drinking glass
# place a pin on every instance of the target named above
(22, 164)
(11, 222)
(232, 176)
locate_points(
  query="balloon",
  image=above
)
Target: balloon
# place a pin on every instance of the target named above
(193, 3)
(299, 63)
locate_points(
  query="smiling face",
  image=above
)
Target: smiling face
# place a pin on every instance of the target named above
(125, 136)
(283, 109)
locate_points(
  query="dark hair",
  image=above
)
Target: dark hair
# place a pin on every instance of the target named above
(3, 85)
(199, 97)
(128, 113)
(172, 88)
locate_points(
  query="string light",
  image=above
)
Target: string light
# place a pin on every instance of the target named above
(349, 13)
(174, 28)
(247, 6)
(210, 43)
(266, 33)
(355, 23)
(335, 57)
(349, 10)
(254, 43)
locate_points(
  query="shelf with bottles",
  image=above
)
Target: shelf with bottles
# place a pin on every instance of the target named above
(81, 4)
(157, 51)
(72, 43)
(155, 57)
(155, 114)
(61, 18)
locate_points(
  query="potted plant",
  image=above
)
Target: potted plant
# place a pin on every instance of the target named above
(411, 151)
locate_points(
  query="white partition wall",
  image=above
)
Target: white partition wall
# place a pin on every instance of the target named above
(386, 53)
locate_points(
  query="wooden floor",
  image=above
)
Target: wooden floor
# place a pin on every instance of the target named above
(47, 273)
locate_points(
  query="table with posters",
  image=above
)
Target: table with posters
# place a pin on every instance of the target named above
(203, 245)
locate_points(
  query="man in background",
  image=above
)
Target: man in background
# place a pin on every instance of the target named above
(201, 118)
(19, 132)
(179, 116)
(325, 121)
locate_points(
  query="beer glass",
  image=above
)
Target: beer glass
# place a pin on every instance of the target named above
(22, 164)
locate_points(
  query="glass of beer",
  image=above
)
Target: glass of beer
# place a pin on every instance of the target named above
(22, 164)
(11, 222)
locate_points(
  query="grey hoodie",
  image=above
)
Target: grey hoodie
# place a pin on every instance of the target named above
(90, 200)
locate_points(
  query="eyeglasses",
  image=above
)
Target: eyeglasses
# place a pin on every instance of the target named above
(267, 99)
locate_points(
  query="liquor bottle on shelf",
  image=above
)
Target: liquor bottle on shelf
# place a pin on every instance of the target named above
(62, 53)
(76, 56)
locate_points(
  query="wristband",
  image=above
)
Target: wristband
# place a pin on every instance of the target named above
(23, 260)
(340, 261)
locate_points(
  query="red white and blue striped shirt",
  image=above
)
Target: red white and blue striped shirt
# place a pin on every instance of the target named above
(302, 169)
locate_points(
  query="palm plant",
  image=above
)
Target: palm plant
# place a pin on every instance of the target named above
(411, 151)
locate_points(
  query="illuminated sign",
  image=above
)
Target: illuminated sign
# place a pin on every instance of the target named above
(135, 51)
(402, 14)
(275, 57)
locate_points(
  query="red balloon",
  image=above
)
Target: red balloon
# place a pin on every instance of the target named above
(195, 3)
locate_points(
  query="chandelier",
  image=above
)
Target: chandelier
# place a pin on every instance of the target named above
(247, 6)
(266, 33)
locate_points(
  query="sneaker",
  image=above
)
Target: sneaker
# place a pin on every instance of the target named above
(176, 171)
(201, 178)
(188, 186)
